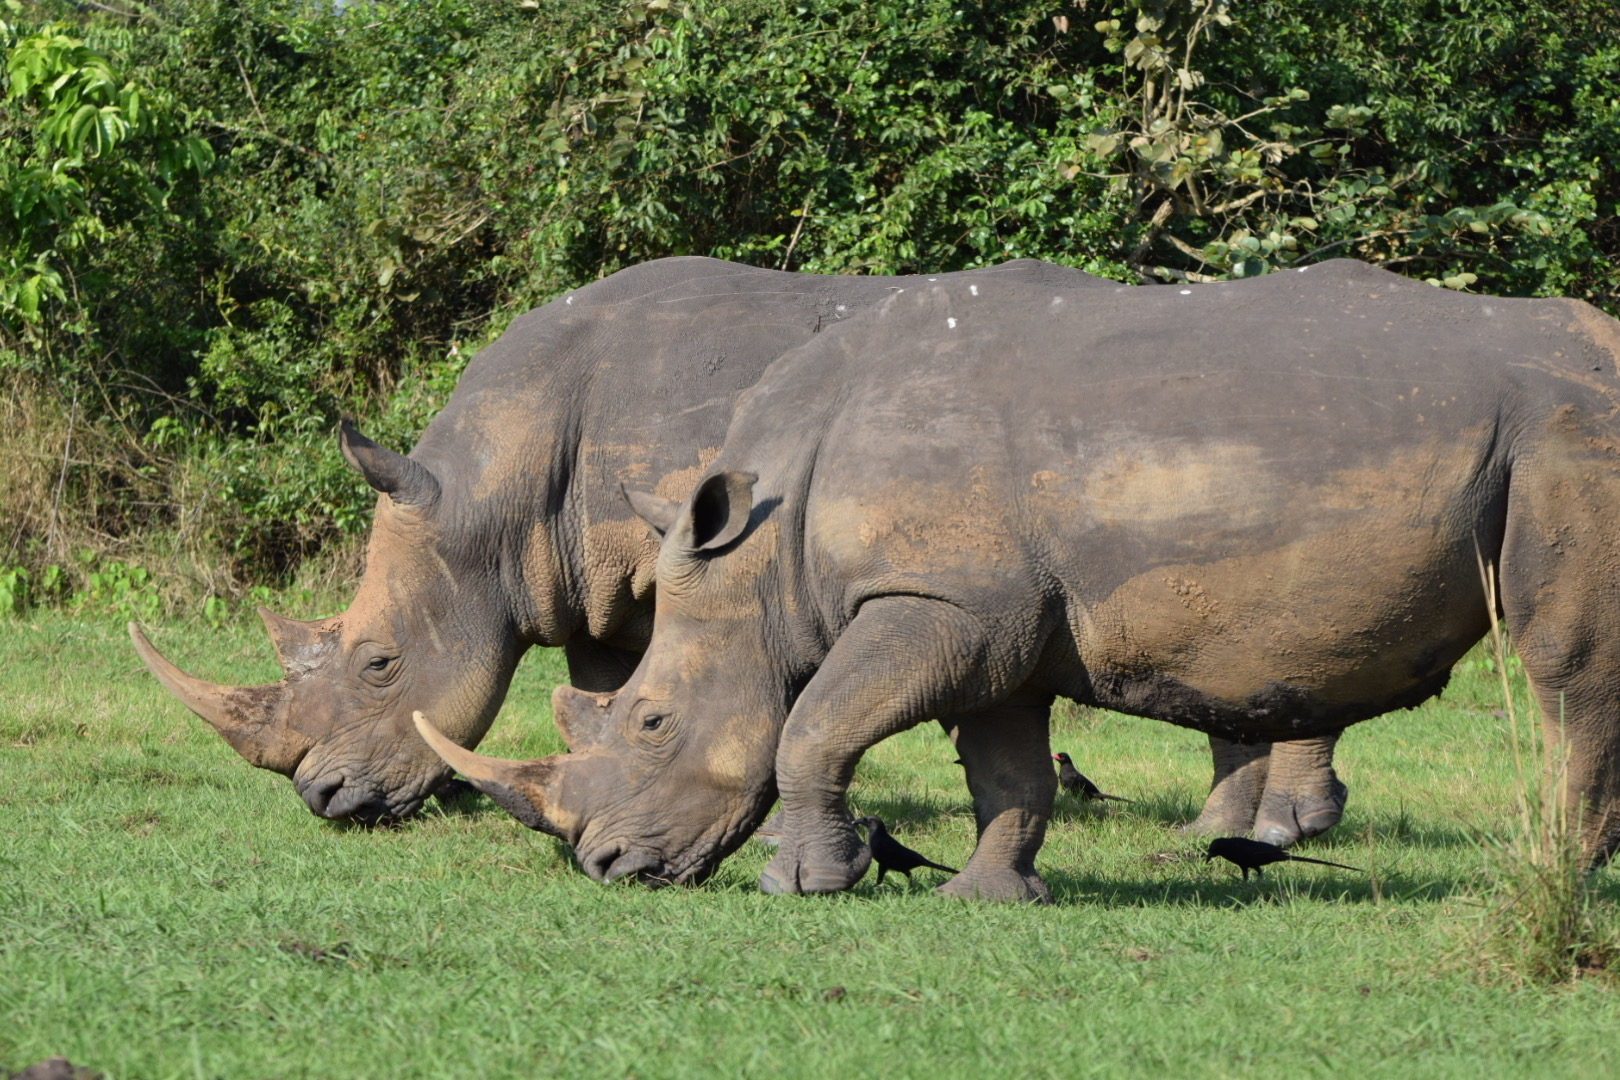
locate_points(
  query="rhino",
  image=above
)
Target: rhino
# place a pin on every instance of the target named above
(503, 529)
(1261, 509)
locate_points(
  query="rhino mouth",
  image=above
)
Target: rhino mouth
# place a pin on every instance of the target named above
(617, 862)
(336, 797)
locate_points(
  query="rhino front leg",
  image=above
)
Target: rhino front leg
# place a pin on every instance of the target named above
(901, 661)
(1304, 796)
(1006, 752)
(1235, 793)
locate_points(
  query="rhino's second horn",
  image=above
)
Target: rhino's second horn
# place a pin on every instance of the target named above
(518, 787)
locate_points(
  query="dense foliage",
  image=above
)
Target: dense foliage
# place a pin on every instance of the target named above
(225, 222)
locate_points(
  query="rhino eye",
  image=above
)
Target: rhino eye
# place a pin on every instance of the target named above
(652, 723)
(380, 662)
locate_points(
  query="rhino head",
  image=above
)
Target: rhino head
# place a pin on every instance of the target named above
(428, 629)
(671, 773)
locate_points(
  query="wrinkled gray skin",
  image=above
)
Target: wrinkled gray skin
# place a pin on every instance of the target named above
(504, 528)
(1256, 509)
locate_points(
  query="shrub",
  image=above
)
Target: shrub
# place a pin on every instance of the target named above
(225, 223)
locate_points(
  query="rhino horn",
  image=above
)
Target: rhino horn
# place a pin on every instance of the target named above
(407, 482)
(247, 716)
(521, 788)
(298, 643)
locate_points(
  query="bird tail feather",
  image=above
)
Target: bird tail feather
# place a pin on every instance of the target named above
(1324, 862)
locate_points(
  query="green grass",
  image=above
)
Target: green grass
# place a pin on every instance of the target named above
(166, 911)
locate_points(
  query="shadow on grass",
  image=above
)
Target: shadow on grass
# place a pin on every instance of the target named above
(1186, 886)
(1169, 811)
(457, 802)
(906, 811)
(1398, 830)
(457, 798)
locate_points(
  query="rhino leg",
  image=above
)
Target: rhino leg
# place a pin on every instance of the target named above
(903, 660)
(1557, 600)
(1304, 796)
(1008, 760)
(597, 668)
(1235, 793)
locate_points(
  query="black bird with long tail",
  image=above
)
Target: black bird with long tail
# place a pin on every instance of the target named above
(891, 854)
(1078, 783)
(1253, 854)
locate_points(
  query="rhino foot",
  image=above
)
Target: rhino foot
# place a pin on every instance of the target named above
(1000, 886)
(1236, 791)
(815, 868)
(1286, 818)
(1221, 820)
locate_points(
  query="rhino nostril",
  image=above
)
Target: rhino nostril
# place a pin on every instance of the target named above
(596, 864)
(356, 802)
(643, 866)
(318, 794)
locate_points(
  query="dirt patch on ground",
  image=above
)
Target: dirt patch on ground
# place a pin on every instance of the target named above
(57, 1068)
(329, 954)
(141, 822)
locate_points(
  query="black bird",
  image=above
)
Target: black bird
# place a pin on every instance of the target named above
(1253, 854)
(1078, 783)
(891, 854)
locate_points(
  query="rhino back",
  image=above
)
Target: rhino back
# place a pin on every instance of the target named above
(629, 380)
(1250, 507)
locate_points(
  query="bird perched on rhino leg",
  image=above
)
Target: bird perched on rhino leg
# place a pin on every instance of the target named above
(1253, 854)
(1078, 783)
(890, 854)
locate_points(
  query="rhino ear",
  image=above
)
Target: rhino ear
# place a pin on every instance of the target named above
(581, 718)
(407, 482)
(655, 510)
(718, 511)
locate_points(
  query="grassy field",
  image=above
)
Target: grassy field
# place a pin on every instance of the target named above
(166, 911)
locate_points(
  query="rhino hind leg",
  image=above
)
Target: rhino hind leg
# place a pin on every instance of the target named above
(1557, 600)
(903, 660)
(1304, 796)
(1006, 754)
(1236, 791)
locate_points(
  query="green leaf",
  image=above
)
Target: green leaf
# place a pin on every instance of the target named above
(28, 298)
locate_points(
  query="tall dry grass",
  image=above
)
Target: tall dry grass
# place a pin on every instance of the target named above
(1540, 920)
(85, 501)
(35, 452)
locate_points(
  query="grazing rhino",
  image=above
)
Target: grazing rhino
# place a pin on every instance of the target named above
(504, 527)
(1257, 509)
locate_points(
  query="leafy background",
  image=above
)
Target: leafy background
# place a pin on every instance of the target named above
(224, 223)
